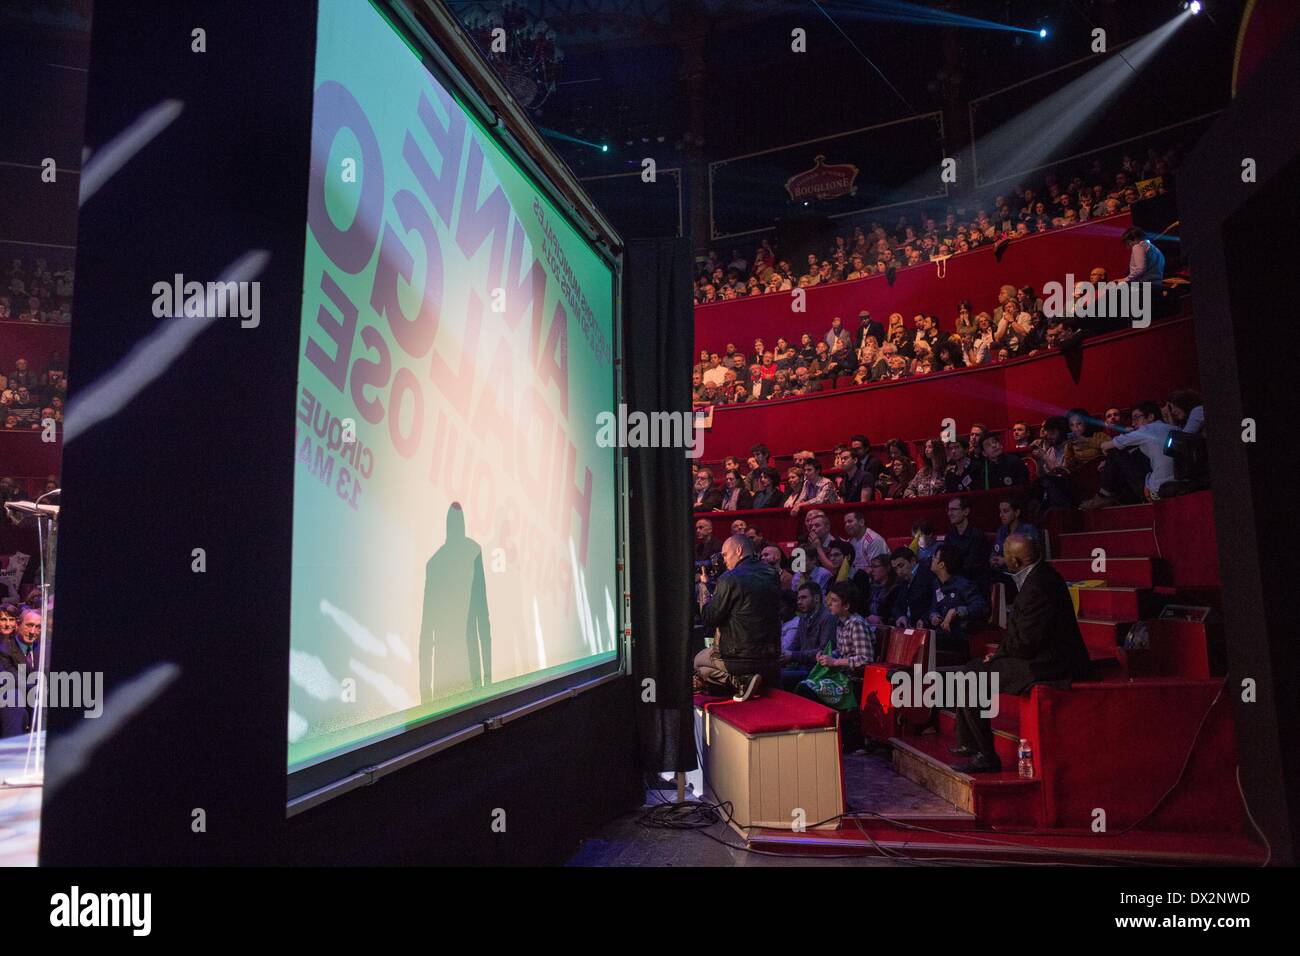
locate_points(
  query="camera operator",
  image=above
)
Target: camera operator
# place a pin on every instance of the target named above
(745, 608)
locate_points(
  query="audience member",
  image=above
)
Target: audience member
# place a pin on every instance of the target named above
(815, 628)
(958, 601)
(1042, 643)
(918, 588)
(969, 542)
(745, 609)
(1135, 461)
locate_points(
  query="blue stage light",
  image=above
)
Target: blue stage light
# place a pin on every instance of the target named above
(1193, 8)
(1042, 34)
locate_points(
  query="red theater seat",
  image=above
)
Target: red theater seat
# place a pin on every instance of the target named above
(903, 648)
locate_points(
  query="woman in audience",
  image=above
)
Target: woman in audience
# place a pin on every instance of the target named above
(965, 320)
(793, 482)
(872, 359)
(929, 479)
(895, 325)
(924, 357)
(896, 477)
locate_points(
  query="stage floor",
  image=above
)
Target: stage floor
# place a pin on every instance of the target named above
(870, 783)
(20, 807)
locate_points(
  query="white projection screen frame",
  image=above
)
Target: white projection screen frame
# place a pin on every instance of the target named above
(441, 357)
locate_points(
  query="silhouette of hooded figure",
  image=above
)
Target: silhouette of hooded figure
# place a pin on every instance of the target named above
(455, 633)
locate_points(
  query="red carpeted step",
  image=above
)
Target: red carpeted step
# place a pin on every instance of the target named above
(1125, 543)
(1110, 603)
(996, 799)
(1006, 730)
(1176, 649)
(1125, 572)
(1120, 517)
(1101, 637)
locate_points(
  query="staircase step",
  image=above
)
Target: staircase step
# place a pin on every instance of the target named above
(1123, 572)
(1122, 517)
(1185, 649)
(1006, 736)
(1117, 604)
(1001, 799)
(1102, 637)
(1117, 543)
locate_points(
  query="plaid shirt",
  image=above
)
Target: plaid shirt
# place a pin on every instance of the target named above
(855, 642)
(823, 492)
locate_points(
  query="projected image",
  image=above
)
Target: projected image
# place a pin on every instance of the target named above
(454, 530)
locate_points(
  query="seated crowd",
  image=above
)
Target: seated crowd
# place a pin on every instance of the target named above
(1017, 325)
(30, 291)
(849, 584)
(1056, 202)
(28, 397)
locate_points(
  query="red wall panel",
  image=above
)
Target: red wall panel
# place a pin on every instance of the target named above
(33, 341)
(24, 455)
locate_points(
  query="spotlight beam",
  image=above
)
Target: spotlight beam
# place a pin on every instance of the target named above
(556, 134)
(899, 11)
(1048, 128)
(879, 72)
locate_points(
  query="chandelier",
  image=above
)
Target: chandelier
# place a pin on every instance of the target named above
(520, 47)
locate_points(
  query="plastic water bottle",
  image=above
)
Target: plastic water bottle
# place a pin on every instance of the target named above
(1026, 755)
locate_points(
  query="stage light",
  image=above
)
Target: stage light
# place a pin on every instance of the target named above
(1193, 8)
(604, 148)
(1042, 34)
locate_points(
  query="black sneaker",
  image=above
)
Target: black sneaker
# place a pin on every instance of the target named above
(746, 687)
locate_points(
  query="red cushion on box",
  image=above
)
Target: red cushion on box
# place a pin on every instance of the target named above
(775, 711)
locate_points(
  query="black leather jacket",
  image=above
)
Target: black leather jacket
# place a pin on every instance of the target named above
(746, 610)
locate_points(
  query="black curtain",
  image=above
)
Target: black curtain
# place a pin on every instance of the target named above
(1233, 236)
(658, 341)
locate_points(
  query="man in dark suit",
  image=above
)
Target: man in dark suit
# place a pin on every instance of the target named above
(13, 662)
(1042, 643)
(868, 326)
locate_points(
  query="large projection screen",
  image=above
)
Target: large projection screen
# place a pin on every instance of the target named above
(455, 521)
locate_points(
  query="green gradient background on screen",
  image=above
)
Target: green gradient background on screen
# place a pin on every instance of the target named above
(479, 420)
